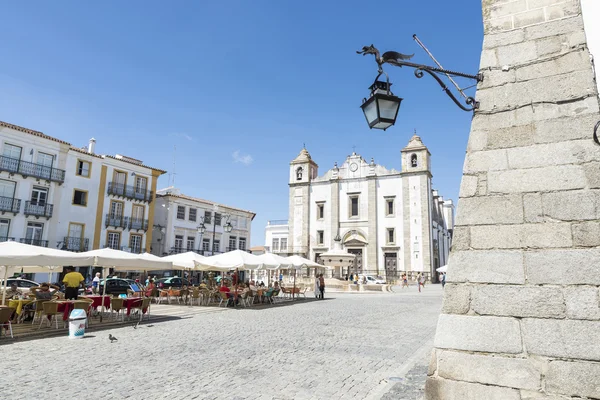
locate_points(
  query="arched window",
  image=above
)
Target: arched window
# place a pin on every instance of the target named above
(299, 174)
(413, 160)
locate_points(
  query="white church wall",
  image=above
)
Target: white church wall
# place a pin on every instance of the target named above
(387, 187)
(321, 193)
(416, 227)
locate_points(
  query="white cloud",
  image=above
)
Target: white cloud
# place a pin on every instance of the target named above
(241, 158)
(183, 136)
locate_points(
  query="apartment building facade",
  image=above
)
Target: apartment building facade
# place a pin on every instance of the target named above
(178, 218)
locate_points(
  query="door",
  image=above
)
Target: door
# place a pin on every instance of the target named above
(75, 239)
(119, 179)
(391, 266)
(44, 165)
(140, 187)
(4, 228)
(116, 213)
(7, 194)
(34, 232)
(11, 156)
(358, 261)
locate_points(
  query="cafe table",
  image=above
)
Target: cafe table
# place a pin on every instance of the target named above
(18, 304)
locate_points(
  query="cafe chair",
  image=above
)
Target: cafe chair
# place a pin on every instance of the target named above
(5, 315)
(50, 309)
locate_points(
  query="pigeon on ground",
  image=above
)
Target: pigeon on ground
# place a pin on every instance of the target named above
(112, 338)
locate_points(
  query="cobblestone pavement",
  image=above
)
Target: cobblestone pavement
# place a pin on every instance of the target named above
(347, 346)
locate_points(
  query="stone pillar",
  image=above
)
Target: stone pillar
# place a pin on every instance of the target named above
(521, 311)
(372, 248)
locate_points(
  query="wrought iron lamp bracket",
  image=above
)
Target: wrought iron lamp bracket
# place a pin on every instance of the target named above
(398, 60)
(596, 133)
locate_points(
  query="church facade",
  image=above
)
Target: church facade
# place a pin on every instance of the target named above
(391, 220)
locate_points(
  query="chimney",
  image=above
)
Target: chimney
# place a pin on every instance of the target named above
(92, 146)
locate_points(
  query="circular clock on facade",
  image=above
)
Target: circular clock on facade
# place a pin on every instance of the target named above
(353, 167)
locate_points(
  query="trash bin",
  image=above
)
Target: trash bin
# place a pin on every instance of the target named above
(77, 322)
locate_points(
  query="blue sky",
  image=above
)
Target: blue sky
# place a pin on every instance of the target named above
(236, 86)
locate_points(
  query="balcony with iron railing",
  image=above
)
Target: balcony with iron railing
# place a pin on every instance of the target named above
(129, 192)
(76, 244)
(116, 221)
(10, 204)
(38, 209)
(7, 239)
(26, 168)
(178, 250)
(35, 242)
(138, 224)
(231, 248)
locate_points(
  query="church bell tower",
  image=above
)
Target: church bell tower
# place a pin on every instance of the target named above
(302, 171)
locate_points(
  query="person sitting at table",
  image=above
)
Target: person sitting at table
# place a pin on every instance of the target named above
(43, 292)
(13, 291)
(276, 285)
(252, 286)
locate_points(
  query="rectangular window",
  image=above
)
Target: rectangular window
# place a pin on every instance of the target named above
(192, 214)
(275, 246)
(180, 212)
(135, 243)
(320, 237)
(116, 213)
(207, 217)
(390, 236)
(191, 243)
(217, 219)
(34, 232)
(232, 242)
(354, 206)
(179, 241)
(80, 197)
(113, 240)
(205, 244)
(216, 245)
(39, 196)
(320, 210)
(242, 244)
(389, 207)
(283, 245)
(75, 240)
(83, 168)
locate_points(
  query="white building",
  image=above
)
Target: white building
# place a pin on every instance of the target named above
(276, 237)
(55, 195)
(178, 217)
(391, 220)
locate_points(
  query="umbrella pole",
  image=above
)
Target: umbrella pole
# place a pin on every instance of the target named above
(294, 290)
(104, 270)
(4, 284)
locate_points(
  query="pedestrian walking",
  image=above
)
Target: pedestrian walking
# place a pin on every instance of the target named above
(317, 290)
(443, 279)
(404, 281)
(322, 286)
(96, 283)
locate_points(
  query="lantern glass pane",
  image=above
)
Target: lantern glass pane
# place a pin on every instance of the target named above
(370, 110)
(388, 109)
(382, 125)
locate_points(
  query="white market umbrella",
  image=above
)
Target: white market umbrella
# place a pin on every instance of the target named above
(300, 262)
(274, 261)
(442, 269)
(124, 261)
(185, 260)
(32, 258)
(236, 259)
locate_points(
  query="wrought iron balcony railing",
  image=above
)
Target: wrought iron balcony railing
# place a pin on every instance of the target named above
(177, 250)
(27, 168)
(129, 192)
(76, 243)
(35, 242)
(6, 239)
(117, 221)
(138, 224)
(10, 204)
(37, 209)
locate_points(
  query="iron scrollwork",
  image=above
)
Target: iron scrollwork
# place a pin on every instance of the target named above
(400, 60)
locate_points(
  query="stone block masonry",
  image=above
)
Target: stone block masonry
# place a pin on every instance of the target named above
(521, 311)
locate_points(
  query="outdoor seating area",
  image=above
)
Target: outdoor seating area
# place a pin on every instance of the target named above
(29, 315)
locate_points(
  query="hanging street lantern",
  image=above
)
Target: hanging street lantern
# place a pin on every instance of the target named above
(381, 108)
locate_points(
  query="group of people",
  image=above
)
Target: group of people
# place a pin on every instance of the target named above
(420, 281)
